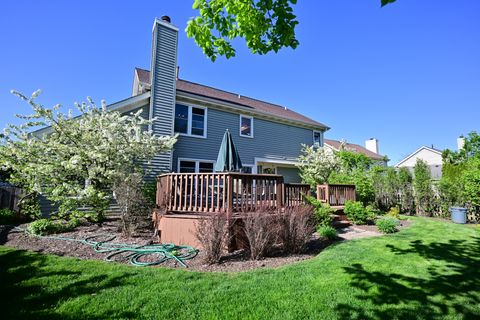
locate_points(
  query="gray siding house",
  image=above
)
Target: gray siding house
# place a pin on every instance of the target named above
(268, 136)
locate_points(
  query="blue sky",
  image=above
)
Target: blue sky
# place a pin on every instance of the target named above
(407, 74)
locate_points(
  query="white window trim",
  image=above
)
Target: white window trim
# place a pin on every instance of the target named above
(240, 126)
(313, 138)
(197, 163)
(189, 122)
(249, 165)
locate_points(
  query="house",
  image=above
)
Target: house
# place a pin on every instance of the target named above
(370, 150)
(267, 136)
(432, 156)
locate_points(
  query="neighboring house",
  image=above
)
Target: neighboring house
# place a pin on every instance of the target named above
(370, 149)
(432, 156)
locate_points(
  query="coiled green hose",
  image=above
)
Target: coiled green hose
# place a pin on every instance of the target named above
(162, 252)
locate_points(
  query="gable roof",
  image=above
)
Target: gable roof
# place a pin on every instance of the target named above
(225, 96)
(439, 152)
(336, 145)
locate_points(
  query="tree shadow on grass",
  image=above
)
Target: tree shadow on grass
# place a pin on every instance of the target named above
(451, 287)
(23, 297)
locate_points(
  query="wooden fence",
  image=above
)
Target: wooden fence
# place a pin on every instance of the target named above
(226, 192)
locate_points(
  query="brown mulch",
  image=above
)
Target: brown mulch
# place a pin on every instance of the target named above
(374, 228)
(233, 262)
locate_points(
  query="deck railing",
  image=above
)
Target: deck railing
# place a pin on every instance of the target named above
(226, 192)
(336, 194)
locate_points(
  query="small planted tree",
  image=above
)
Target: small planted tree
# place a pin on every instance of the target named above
(77, 160)
(317, 164)
(424, 194)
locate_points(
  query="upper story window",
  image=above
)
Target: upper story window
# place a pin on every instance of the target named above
(317, 138)
(246, 126)
(191, 121)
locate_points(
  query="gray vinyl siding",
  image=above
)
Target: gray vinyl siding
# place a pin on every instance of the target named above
(162, 101)
(290, 175)
(270, 140)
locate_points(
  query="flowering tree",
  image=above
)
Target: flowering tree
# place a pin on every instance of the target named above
(316, 164)
(76, 161)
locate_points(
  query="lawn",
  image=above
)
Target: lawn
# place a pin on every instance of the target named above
(428, 271)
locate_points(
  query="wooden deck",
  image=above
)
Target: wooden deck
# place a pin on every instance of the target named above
(227, 192)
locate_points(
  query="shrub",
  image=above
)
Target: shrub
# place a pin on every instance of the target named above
(322, 211)
(394, 212)
(30, 207)
(405, 188)
(134, 207)
(7, 216)
(327, 232)
(471, 182)
(424, 194)
(43, 227)
(296, 226)
(357, 213)
(387, 224)
(212, 232)
(149, 190)
(261, 230)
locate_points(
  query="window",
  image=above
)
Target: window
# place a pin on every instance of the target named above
(195, 166)
(247, 169)
(317, 138)
(190, 120)
(205, 167)
(246, 126)
(181, 119)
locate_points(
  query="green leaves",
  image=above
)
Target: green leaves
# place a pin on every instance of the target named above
(265, 25)
(385, 2)
(77, 159)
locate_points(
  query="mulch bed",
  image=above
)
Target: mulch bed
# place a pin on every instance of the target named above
(237, 261)
(374, 228)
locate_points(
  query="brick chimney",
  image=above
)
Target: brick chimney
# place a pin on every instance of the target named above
(372, 145)
(163, 86)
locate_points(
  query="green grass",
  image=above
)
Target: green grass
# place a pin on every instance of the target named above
(428, 271)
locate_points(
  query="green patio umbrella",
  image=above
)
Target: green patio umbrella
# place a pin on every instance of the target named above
(228, 159)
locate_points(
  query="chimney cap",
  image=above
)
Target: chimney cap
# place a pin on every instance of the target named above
(166, 19)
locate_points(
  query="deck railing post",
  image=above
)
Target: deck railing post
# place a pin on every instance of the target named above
(229, 195)
(280, 193)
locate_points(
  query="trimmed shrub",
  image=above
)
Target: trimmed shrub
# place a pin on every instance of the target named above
(212, 233)
(296, 227)
(7, 216)
(357, 213)
(327, 232)
(387, 224)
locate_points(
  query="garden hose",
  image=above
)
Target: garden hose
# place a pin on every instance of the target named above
(162, 252)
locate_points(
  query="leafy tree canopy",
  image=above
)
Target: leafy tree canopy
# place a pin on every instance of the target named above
(470, 149)
(79, 159)
(265, 25)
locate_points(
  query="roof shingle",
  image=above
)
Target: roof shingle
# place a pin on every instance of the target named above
(257, 105)
(335, 144)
